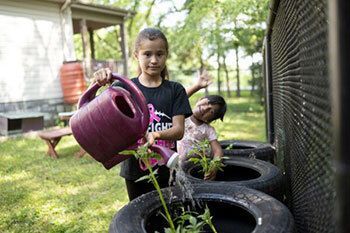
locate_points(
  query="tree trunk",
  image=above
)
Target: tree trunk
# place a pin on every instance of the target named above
(149, 12)
(238, 93)
(252, 82)
(260, 85)
(131, 24)
(123, 46)
(252, 70)
(92, 43)
(227, 78)
(218, 73)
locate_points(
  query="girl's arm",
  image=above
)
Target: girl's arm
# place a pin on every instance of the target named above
(176, 132)
(216, 148)
(217, 152)
(204, 80)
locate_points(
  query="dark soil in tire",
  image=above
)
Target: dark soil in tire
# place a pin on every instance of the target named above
(253, 149)
(251, 173)
(233, 208)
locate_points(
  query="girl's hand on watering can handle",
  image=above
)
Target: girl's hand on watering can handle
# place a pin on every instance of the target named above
(103, 76)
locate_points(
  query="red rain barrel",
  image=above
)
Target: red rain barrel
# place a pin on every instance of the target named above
(72, 81)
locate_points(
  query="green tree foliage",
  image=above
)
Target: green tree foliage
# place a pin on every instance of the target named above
(210, 30)
(215, 29)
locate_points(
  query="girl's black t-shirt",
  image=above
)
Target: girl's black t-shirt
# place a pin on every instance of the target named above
(164, 102)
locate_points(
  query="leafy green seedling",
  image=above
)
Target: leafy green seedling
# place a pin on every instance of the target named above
(201, 153)
(191, 222)
(230, 147)
(187, 222)
(145, 155)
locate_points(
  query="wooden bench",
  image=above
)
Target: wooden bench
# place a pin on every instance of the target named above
(53, 137)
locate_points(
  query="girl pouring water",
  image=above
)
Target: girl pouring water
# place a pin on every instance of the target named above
(167, 103)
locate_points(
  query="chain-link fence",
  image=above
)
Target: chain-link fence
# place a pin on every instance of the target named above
(300, 109)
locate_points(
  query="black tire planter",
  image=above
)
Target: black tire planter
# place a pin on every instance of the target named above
(233, 208)
(248, 172)
(254, 149)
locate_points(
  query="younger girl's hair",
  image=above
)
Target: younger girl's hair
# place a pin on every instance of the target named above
(219, 100)
(152, 34)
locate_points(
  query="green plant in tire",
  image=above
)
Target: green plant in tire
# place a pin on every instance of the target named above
(199, 155)
(230, 147)
(145, 155)
(192, 222)
(187, 223)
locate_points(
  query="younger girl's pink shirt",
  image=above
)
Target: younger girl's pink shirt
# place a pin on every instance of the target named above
(194, 134)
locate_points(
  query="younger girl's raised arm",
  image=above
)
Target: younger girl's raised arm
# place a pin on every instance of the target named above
(203, 81)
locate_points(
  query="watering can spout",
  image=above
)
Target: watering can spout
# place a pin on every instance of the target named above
(170, 158)
(173, 160)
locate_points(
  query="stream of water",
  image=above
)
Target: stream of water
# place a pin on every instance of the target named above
(184, 184)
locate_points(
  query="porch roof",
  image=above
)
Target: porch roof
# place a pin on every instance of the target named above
(96, 16)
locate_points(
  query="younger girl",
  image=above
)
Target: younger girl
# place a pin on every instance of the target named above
(167, 102)
(198, 128)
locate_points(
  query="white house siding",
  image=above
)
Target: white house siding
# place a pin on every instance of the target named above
(31, 51)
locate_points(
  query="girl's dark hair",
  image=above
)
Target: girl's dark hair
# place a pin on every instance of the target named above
(152, 34)
(217, 99)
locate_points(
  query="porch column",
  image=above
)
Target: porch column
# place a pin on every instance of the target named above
(86, 48)
(67, 34)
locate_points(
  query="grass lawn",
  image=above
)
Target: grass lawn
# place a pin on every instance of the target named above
(40, 194)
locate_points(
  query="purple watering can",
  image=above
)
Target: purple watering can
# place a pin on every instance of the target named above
(112, 122)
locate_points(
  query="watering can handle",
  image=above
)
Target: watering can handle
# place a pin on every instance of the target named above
(90, 94)
(139, 97)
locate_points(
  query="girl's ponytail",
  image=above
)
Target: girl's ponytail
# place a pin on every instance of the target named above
(164, 74)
